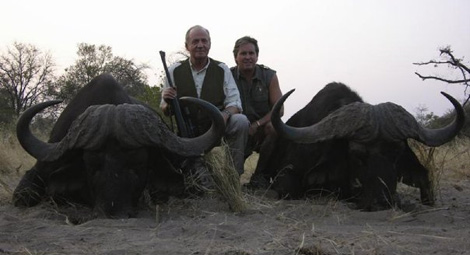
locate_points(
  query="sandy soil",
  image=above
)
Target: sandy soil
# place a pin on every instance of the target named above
(269, 226)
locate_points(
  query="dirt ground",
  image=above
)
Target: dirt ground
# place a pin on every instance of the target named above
(269, 226)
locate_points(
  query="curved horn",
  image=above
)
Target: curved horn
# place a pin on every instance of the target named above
(212, 137)
(290, 133)
(339, 124)
(35, 147)
(437, 137)
(133, 125)
(139, 125)
(363, 122)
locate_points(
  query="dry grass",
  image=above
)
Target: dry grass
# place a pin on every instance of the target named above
(12, 156)
(226, 177)
(14, 161)
(454, 159)
(447, 162)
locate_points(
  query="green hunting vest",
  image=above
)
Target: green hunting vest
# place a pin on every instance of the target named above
(212, 90)
(255, 96)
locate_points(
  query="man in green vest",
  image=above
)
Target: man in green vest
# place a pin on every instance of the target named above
(259, 91)
(211, 80)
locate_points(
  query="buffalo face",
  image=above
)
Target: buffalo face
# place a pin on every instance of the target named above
(117, 177)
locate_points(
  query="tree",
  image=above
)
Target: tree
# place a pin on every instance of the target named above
(6, 112)
(152, 97)
(94, 60)
(447, 58)
(424, 117)
(26, 74)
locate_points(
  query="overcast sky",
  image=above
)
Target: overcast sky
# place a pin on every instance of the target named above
(370, 45)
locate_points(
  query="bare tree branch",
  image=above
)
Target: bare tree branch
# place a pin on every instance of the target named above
(450, 60)
(441, 79)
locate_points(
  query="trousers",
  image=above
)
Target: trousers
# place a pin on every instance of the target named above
(236, 136)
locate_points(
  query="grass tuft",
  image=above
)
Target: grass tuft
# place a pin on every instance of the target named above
(226, 178)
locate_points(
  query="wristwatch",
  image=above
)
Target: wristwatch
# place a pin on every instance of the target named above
(228, 113)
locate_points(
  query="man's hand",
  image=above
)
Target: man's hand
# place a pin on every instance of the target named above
(267, 128)
(226, 114)
(253, 128)
(168, 94)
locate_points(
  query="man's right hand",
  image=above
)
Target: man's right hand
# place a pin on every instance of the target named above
(168, 94)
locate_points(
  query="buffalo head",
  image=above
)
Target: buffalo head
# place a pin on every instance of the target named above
(373, 147)
(108, 156)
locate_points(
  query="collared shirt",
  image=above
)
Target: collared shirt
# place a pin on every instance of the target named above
(232, 95)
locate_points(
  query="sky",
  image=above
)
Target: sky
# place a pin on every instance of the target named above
(369, 45)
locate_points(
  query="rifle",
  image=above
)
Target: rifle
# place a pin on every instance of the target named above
(175, 105)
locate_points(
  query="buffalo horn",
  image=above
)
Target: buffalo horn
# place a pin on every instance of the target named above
(131, 124)
(363, 122)
(437, 137)
(35, 147)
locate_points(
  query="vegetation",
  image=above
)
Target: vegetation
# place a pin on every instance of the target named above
(28, 76)
(433, 158)
(448, 59)
(94, 60)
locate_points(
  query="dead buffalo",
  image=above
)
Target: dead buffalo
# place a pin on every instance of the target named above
(105, 150)
(340, 144)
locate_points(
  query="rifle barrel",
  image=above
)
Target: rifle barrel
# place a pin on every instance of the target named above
(175, 102)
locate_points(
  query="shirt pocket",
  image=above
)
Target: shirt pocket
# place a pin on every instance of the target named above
(260, 94)
(260, 99)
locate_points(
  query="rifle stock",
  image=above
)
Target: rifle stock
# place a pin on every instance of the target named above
(175, 106)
